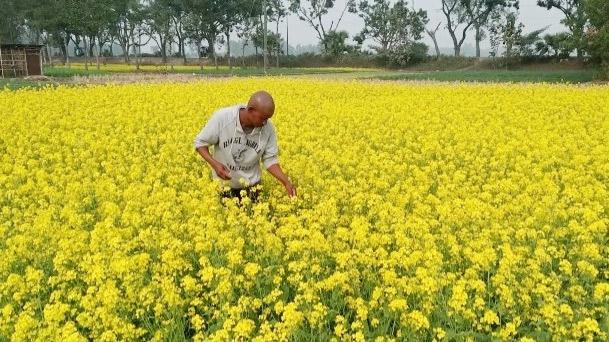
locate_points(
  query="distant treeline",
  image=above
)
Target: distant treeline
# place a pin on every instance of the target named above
(393, 28)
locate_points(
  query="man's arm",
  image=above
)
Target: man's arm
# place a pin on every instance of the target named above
(271, 162)
(221, 170)
(276, 171)
(209, 135)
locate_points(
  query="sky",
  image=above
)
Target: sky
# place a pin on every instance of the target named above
(531, 15)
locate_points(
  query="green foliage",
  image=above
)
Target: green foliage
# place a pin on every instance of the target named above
(507, 31)
(11, 21)
(598, 35)
(558, 45)
(575, 19)
(391, 27)
(273, 40)
(313, 11)
(461, 15)
(335, 43)
(409, 54)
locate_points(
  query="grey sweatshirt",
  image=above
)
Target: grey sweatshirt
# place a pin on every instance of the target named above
(238, 151)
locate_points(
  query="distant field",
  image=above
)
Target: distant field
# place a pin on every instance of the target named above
(65, 75)
(13, 84)
(78, 69)
(551, 76)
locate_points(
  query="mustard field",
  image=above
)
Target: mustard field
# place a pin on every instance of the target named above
(425, 212)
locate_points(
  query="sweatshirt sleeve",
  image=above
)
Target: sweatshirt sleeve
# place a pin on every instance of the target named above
(210, 133)
(271, 150)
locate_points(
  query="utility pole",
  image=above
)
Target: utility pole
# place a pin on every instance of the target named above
(287, 36)
(264, 57)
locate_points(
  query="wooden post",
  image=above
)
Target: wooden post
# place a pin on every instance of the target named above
(13, 61)
(25, 62)
(41, 66)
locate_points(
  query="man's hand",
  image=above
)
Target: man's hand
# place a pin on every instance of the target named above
(276, 171)
(221, 170)
(290, 189)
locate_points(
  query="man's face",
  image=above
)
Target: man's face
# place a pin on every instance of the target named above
(260, 115)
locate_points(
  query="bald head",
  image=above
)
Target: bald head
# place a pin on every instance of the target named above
(262, 101)
(260, 108)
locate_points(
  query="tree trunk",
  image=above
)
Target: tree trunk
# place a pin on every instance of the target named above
(478, 39)
(170, 52)
(243, 55)
(278, 45)
(135, 51)
(447, 9)
(456, 46)
(68, 50)
(84, 40)
(163, 49)
(212, 49)
(97, 51)
(48, 51)
(198, 45)
(432, 35)
(91, 46)
(182, 49)
(125, 47)
(230, 65)
(64, 52)
(67, 60)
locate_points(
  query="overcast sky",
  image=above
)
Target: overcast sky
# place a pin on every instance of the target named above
(531, 15)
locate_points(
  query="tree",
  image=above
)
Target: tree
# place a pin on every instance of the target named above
(232, 14)
(12, 23)
(505, 30)
(470, 13)
(246, 31)
(575, 19)
(557, 45)
(455, 16)
(159, 20)
(91, 20)
(205, 22)
(391, 26)
(178, 13)
(478, 11)
(277, 12)
(527, 44)
(273, 40)
(432, 35)
(335, 42)
(127, 19)
(313, 13)
(598, 12)
(408, 54)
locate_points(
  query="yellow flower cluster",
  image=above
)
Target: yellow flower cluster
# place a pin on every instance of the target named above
(424, 212)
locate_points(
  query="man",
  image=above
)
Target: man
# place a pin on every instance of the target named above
(242, 136)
